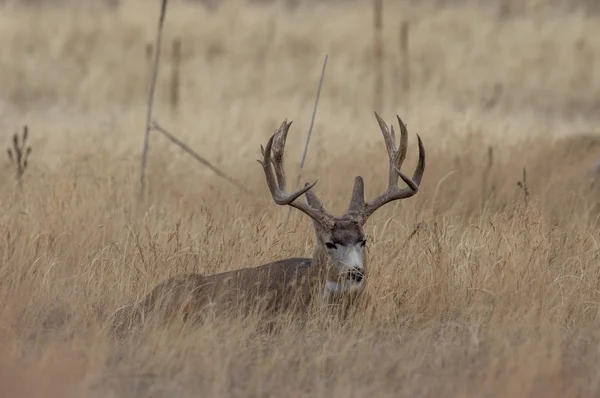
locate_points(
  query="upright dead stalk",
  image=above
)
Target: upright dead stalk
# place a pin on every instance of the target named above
(19, 154)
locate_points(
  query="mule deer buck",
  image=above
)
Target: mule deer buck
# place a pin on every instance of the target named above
(335, 273)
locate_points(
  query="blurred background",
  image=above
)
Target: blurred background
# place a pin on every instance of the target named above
(488, 277)
(508, 69)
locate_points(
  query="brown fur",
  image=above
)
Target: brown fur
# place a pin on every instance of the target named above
(191, 296)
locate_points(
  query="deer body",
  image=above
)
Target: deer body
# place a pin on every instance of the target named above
(239, 289)
(336, 273)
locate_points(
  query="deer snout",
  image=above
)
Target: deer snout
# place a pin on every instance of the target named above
(355, 274)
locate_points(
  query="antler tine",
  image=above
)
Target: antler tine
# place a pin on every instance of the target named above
(396, 156)
(396, 159)
(403, 144)
(387, 136)
(272, 164)
(278, 150)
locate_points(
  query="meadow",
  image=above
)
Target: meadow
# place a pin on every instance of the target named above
(481, 285)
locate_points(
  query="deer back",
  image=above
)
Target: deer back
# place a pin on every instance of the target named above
(277, 286)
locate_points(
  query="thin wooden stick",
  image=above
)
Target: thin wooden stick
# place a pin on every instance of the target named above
(155, 126)
(151, 98)
(312, 122)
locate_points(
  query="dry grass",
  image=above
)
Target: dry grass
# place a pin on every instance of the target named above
(488, 297)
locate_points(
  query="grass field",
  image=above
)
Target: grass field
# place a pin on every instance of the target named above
(477, 289)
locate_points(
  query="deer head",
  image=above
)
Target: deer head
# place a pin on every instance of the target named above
(341, 240)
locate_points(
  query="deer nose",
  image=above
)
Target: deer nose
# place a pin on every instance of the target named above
(355, 274)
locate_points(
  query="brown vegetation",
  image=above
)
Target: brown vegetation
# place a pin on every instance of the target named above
(474, 290)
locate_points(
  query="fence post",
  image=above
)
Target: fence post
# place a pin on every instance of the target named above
(175, 74)
(405, 57)
(378, 50)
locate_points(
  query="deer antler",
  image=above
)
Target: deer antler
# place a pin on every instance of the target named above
(360, 210)
(272, 164)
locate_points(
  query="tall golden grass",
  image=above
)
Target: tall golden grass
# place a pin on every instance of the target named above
(476, 288)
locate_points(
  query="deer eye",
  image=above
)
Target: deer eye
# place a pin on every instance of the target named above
(363, 242)
(330, 245)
